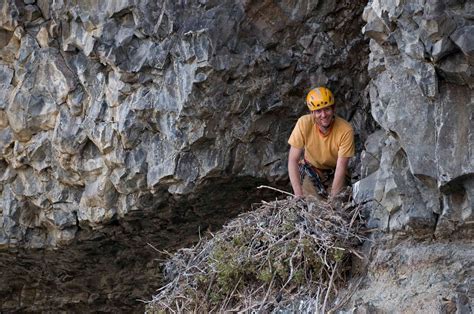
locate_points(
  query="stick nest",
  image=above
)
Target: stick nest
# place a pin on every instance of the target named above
(286, 255)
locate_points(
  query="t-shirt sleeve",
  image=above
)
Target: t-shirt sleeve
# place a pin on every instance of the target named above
(347, 146)
(296, 138)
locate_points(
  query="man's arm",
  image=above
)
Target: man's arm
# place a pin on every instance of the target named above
(293, 159)
(339, 175)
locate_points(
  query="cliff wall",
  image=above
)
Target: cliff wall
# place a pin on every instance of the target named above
(130, 122)
(418, 168)
(133, 122)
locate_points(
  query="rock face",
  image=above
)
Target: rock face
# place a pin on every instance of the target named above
(419, 169)
(130, 122)
(127, 123)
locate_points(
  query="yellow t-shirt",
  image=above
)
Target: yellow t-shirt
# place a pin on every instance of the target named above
(321, 150)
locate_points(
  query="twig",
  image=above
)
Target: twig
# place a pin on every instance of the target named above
(348, 295)
(159, 251)
(290, 276)
(275, 189)
(230, 295)
(329, 287)
(357, 254)
(266, 295)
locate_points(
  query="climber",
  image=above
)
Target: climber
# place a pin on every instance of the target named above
(321, 146)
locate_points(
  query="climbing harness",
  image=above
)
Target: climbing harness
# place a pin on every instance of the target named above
(306, 169)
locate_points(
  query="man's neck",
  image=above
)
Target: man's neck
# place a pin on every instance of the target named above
(324, 130)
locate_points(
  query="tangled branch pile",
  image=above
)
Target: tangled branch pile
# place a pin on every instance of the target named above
(285, 255)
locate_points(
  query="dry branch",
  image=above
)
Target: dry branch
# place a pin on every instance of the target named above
(285, 255)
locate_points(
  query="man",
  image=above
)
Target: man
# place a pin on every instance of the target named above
(321, 146)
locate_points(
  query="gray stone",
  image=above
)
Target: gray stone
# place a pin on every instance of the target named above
(99, 194)
(392, 279)
(442, 48)
(375, 27)
(38, 153)
(11, 44)
(75, 101)
(9, 15)
(116, 91)
(457, 208)
(39, 98)
(6, 142)
(6, 75)
(464, 39)
(43, 37)
(31, 12)
(27, 184)
(421, 120)
(132, 177)
(90, 164)
(39, 114)
(69, 135)
(363, 190)
(377, 60)
(436, 25)
(467, 213)
(44, 8)
(396, 113)
(457, 70)
(410, 44)
(455, 133)
(130, 122)
(95, 217)
(103, 136)
(161, 160)
(61, 216)
(425, 76)
(28, 46)
(370, 156)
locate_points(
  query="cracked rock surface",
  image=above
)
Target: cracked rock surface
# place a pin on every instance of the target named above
(419, 168)
(130, 122)
(129, 126)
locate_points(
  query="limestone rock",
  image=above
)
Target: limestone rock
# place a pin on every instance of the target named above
(395, 283)
(464, 39)
(126, 120)
(427, 116)
(416, 188)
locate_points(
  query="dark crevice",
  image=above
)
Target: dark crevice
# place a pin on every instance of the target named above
(436, 217)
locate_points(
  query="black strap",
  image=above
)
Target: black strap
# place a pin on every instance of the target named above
(306, 169)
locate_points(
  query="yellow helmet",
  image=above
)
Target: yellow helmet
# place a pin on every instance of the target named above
(318, 98)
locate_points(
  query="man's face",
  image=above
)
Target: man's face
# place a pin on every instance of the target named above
(323, 117)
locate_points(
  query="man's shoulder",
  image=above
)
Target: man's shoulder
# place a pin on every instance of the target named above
(343, 125)
(306, 120)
